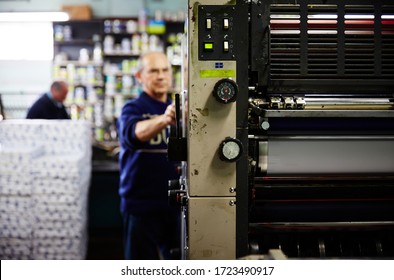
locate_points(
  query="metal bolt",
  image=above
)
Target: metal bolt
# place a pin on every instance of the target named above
(232, 202)
(232, 190)
(265, 125)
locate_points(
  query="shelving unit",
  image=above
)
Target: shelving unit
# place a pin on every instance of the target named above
(78, 59)
(99, 57)
(123, 42)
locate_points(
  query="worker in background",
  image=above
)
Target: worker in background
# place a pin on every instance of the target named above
(151, 226)
(50, 105)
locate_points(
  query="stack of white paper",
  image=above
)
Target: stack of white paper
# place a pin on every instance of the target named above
(44, 181)
(16, 218)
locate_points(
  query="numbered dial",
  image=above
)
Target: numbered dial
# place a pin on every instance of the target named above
(225, 91)
(230, 149)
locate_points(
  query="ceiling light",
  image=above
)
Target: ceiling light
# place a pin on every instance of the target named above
(33, 16)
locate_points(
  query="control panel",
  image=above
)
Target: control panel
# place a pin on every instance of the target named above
(216, 32)
(216, 146)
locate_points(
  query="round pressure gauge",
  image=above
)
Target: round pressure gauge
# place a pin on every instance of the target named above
(225, 91)
(230, 149)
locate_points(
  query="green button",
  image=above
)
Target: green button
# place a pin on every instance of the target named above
(208, 46)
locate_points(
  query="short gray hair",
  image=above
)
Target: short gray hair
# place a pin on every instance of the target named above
(58, 85)
(140, 62)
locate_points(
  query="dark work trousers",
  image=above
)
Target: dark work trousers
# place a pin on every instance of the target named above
(151, 237)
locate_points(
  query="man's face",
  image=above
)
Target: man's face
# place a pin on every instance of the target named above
(155, 76)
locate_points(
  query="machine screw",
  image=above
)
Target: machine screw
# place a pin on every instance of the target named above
(232, 190)
(232, 202)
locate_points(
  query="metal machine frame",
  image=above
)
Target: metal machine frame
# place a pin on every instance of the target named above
(291, 86)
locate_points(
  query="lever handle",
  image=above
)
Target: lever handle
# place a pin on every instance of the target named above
(178, 134)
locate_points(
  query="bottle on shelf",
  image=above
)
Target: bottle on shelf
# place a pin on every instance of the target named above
(142, 20)
(97, 53)
(109, 43)
(131, 26)
(83, 55)
(67, 33)
(58, 33)
(136, 43)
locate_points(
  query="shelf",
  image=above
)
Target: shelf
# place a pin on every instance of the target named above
(118, 73)
(95, 84)
(175, 90)
(119, 94)
(78, 63)
(122, 53)
(75, 42)
(121, 33)
(127, 96)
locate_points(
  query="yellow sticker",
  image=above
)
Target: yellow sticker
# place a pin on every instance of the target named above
(217, 73)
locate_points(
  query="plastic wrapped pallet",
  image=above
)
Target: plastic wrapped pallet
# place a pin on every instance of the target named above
(16, 218)
(48, 184)
(16, 248)
(15, 185)
(57, 137)
(19, 130)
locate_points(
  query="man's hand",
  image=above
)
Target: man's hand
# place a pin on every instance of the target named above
(170, 114)
(147, 129)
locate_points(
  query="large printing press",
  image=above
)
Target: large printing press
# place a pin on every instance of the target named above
(288, 140)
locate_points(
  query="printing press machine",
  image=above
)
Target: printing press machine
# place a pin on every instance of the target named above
(288, 140)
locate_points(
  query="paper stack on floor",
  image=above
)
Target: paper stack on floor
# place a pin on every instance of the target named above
(16, 218)
(53, 180)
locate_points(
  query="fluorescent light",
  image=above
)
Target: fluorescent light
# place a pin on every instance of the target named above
(323, 16)
(34, 16)
(361, 16)
(284, 16)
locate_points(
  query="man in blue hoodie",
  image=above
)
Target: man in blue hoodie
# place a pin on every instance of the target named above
(151, 226)
(50, 105)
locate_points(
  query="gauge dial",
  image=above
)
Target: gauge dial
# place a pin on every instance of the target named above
(225, 91)
(230, 149)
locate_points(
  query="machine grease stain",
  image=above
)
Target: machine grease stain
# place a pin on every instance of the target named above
(204, 112)
(193, 122)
